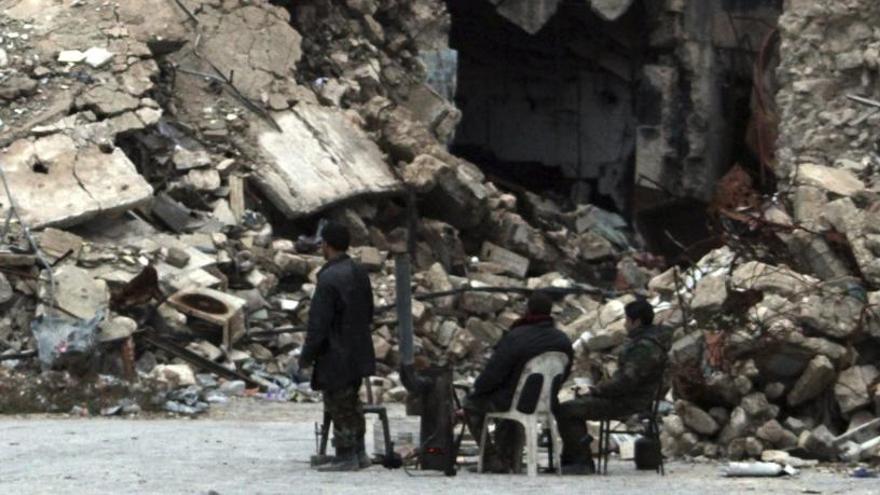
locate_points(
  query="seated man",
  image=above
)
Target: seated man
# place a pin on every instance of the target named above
(493, 390)
(630, 390)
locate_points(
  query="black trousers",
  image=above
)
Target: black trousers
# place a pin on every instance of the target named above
(506, 446)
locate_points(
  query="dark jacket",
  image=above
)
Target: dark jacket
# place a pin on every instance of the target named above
(640, 367)
(497, 383)
(339, 342)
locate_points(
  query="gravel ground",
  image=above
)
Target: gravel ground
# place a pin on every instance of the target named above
(254, 447)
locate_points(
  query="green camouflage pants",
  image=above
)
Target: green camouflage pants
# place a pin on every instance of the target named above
(345, 410)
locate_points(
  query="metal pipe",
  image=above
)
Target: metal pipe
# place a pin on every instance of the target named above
(403, 287)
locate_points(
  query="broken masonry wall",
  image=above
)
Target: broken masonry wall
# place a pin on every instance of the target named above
(560, 97)
(830, 50)
(694, 95)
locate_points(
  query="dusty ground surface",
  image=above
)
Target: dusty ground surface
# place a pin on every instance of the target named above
(251, 447)
(262, 448)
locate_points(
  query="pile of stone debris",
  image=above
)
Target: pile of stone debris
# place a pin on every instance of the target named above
(167, 163)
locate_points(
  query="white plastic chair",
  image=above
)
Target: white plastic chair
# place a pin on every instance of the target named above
(548, 365)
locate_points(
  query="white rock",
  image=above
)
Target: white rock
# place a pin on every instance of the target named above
(71, 57)
(97, 56)
(178, 375)
(4, 60)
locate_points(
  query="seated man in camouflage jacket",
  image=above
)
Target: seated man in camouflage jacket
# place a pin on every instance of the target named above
(630, 390)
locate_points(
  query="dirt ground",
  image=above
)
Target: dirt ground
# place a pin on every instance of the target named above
(251, 447)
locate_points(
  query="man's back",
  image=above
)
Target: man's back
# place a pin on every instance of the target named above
(499, 379)
(340, 325)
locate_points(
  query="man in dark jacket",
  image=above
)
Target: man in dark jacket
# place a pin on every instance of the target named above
(493, 390)
(630, 390)
(340, 347)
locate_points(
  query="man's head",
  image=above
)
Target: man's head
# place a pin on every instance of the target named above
(639, 314)
(539, 304)
(336, 240)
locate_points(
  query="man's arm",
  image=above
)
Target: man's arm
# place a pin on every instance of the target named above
(636, 366)
(498, 369)
(320, 318)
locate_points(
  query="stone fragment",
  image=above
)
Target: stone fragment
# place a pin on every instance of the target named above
(594, 247)
(756, 405)
(117, 328)
(6, 291)
(71, 56)
(77, 293)
(783, 458)
(819, 443)
(814, 380)
(204, 179)
(755, 275)
(206, 349)
(838, 181)
(371, 258)
(602, 339)
(688, 349)
(710, 294)
(97, 56)
(513, 263)
(186, 159)
(720, 415)
(175, 375)
(673, 425)
(695, 418)
(17, 86)
(177, 257)
(486, 331)
(852, 389)
(56, 243)
(482, 303)
(737, 427)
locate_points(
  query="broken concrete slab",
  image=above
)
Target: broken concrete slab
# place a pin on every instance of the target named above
(266, 46)
(755, 275)
(834, 180)
(320, 158)
(77, 294)
(56, 183)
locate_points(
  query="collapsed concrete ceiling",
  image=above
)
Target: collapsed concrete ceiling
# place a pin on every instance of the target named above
(532, 15)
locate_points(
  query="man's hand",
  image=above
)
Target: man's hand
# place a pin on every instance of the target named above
(584, 391)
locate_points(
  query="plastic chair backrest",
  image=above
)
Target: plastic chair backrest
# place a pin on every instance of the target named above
(544, 368)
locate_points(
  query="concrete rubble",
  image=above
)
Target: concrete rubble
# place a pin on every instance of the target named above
(171, 160)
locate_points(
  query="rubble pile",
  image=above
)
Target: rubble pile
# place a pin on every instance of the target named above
(168, 163)
(778, 346)
(166, 166)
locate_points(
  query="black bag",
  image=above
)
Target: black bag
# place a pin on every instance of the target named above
(647, 454)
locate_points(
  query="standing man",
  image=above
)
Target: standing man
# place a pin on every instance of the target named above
(630, 390)
(340, 347)
(533, 334)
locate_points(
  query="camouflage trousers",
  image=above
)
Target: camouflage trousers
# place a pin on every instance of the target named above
(345, 410)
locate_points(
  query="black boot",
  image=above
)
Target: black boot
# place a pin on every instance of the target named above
(346, 460)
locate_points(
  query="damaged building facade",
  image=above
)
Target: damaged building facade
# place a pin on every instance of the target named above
(167, 163)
